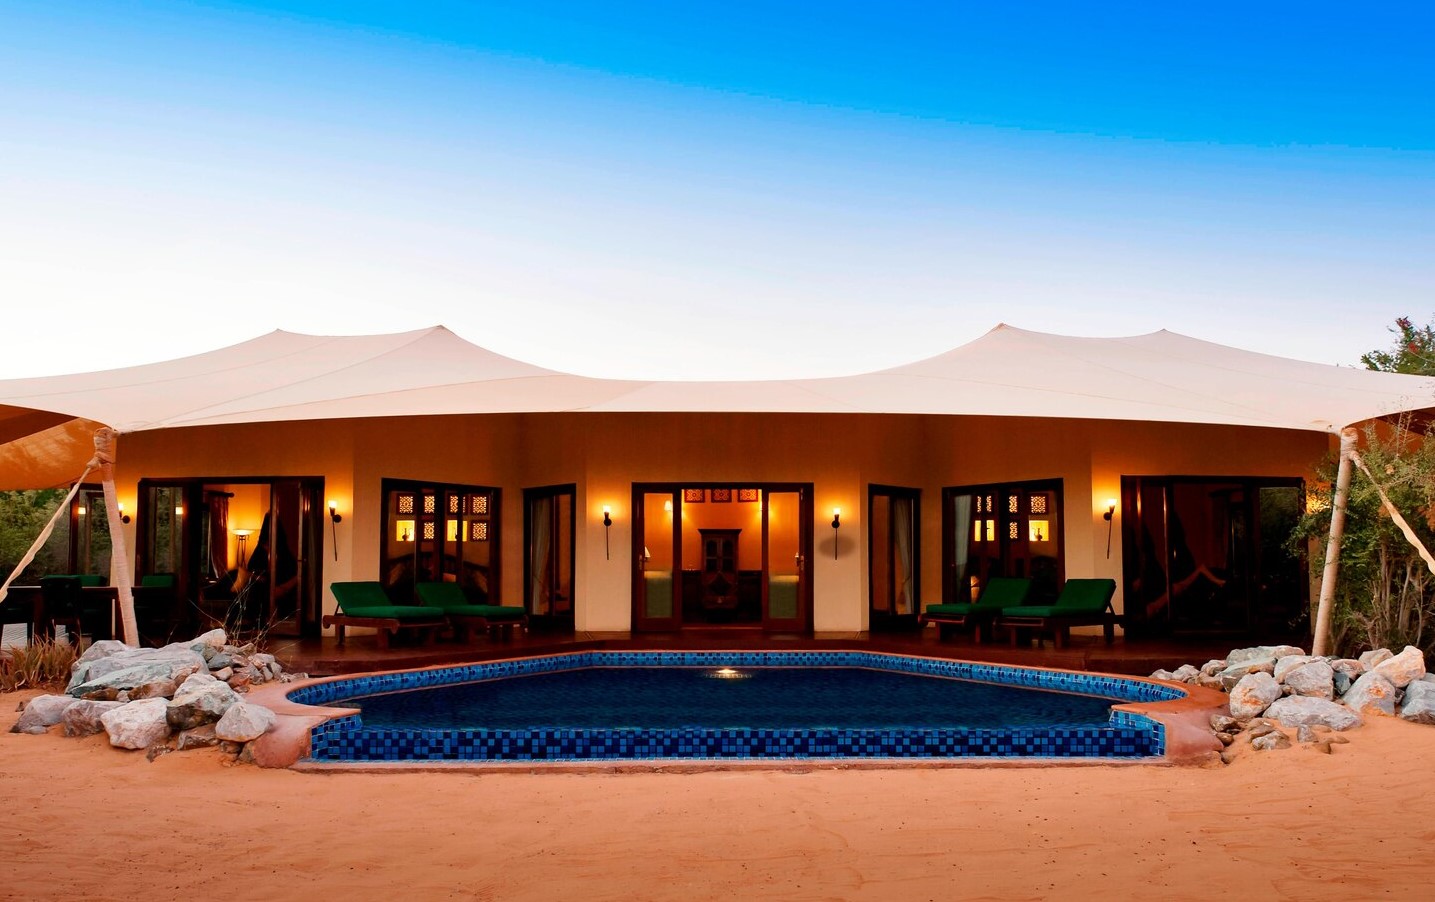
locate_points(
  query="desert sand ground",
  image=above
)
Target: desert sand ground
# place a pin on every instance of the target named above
(86, 821)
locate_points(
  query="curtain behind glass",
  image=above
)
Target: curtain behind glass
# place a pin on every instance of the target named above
(902, 528)
(961, 546)
(540, 561)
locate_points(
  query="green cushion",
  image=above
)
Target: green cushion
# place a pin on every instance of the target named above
(441, 595)
(395, 611)
(490, 611)
(958, 610)
(157, 580)
(1004, 592)
(1086, 595)
(368, 599)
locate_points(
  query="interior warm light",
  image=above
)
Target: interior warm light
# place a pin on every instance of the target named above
(1038, 531)
(334, 512)
(728, 673)
(668, 506)
(179, 510)
(124, 517)
(81, 512)
(404, 530)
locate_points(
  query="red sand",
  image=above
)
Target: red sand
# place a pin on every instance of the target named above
(89, 821)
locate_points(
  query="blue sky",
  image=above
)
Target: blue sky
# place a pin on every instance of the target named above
(712, 190)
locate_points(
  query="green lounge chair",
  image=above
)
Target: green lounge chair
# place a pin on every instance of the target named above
(1000, 592)
(495, 619)
(1082, 602)
(367, 604)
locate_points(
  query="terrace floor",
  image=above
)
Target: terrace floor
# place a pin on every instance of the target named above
(360, 654)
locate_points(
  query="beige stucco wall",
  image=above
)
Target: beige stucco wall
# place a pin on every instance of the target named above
(604, 454)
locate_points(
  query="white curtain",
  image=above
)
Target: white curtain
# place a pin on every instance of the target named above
(902, 528)
(961, 542)
(540, 560)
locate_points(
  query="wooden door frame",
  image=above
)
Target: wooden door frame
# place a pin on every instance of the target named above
(551, 491)
(805, 541)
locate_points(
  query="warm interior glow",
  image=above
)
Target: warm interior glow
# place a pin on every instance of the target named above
(668, 507)
(179, 510)
(81, 512)
(837, 512)
(404, 530)
(242, 533)
(1110, 503)
(607, 509)
(1038, 530)
(333, 507)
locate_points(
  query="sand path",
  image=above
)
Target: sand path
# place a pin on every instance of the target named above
(88, 821)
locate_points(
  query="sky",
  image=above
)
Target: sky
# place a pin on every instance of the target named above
(699, 190)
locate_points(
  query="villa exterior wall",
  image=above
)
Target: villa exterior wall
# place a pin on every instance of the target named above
(604, 454)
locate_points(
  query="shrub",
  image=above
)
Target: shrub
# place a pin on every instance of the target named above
(42, 663)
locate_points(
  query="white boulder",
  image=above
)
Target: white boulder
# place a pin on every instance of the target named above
(1419, 703)
(244, 721)
(137, 725)
(1300, 711)
(1403, 669)
(1314, 679)
(41, 713)
(1253, 694)
(1372, 694)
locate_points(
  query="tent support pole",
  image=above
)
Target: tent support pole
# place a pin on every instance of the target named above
(119, 556)
(1321, 643)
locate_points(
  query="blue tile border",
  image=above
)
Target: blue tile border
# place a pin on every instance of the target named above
(345, 738)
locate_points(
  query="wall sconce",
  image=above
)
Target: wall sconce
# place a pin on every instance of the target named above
(335, 518)
(668, 506)
(1110, 512)
(124, 517)
(836, 525)
(607, 533)
(179, 510)
(80, 511)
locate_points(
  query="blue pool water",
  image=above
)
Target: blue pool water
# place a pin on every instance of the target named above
(605, 705)
(763, 697)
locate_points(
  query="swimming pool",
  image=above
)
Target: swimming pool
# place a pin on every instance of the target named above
(511, 710)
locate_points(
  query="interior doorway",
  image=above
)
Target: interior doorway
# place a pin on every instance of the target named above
(722, 555)
(893, 557)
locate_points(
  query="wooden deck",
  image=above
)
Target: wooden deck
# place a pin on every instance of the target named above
(1084, 653)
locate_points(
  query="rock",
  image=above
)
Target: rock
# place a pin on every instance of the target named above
(205, 703)
(134, 667)
(1369, 659)
(109, 694)
(1213, 667)
(83, 717)
(1428, 678)
(1162, 675)
(220, 661)
(137, 725)
(1342, 682)
(1419, 703)
(1290, 662)
(1271, 741)
(1314, 679)
(1322, 746)
(1348, 666)
(42, 712)
(1210, 682)
(1404, 668)
(195, 682)
(1262, 727)
(1371, 694)
(1305, 733)
(165, 688)
(1224, 724)
(1226, 738)
(1186, 673)
(1253, 694)
(224, 673)
(1261, 653)
(214, 639)
(198, 738)
(244, 721)
(261, 660)
(1299, 710)
(1233, 674)
(97, 650)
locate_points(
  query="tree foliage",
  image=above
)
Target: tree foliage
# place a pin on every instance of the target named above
(1413, 352)
(22, 515)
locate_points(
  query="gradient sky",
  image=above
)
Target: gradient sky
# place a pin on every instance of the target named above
(706, 190)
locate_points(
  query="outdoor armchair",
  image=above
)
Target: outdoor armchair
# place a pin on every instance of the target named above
(1082, 602)
(367, 604)
(999, 593)
(450, 598)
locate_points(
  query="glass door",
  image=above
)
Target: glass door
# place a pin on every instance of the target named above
(658, 559)
(548, 563)
(786, 541)
(892, 555)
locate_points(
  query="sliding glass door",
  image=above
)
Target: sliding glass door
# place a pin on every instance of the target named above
(893, 543)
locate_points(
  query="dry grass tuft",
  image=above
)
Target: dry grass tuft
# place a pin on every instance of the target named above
(42, 663)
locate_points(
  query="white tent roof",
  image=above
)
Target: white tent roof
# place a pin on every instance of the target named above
(1161, 377)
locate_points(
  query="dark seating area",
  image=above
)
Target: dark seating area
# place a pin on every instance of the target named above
(1001, 592)
(1082, 602)
(367, 604)
(466, 617)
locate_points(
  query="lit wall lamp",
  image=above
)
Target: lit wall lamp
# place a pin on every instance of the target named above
(607, 532)
(836, 525)
(335, 518)
(124, 517)
(1110, 512)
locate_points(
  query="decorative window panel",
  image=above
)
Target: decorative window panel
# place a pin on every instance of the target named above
(1038, 504)
(430, 504)
(406, 503)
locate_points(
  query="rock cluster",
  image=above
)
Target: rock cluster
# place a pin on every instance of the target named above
(1275, 686)
(182, 696)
